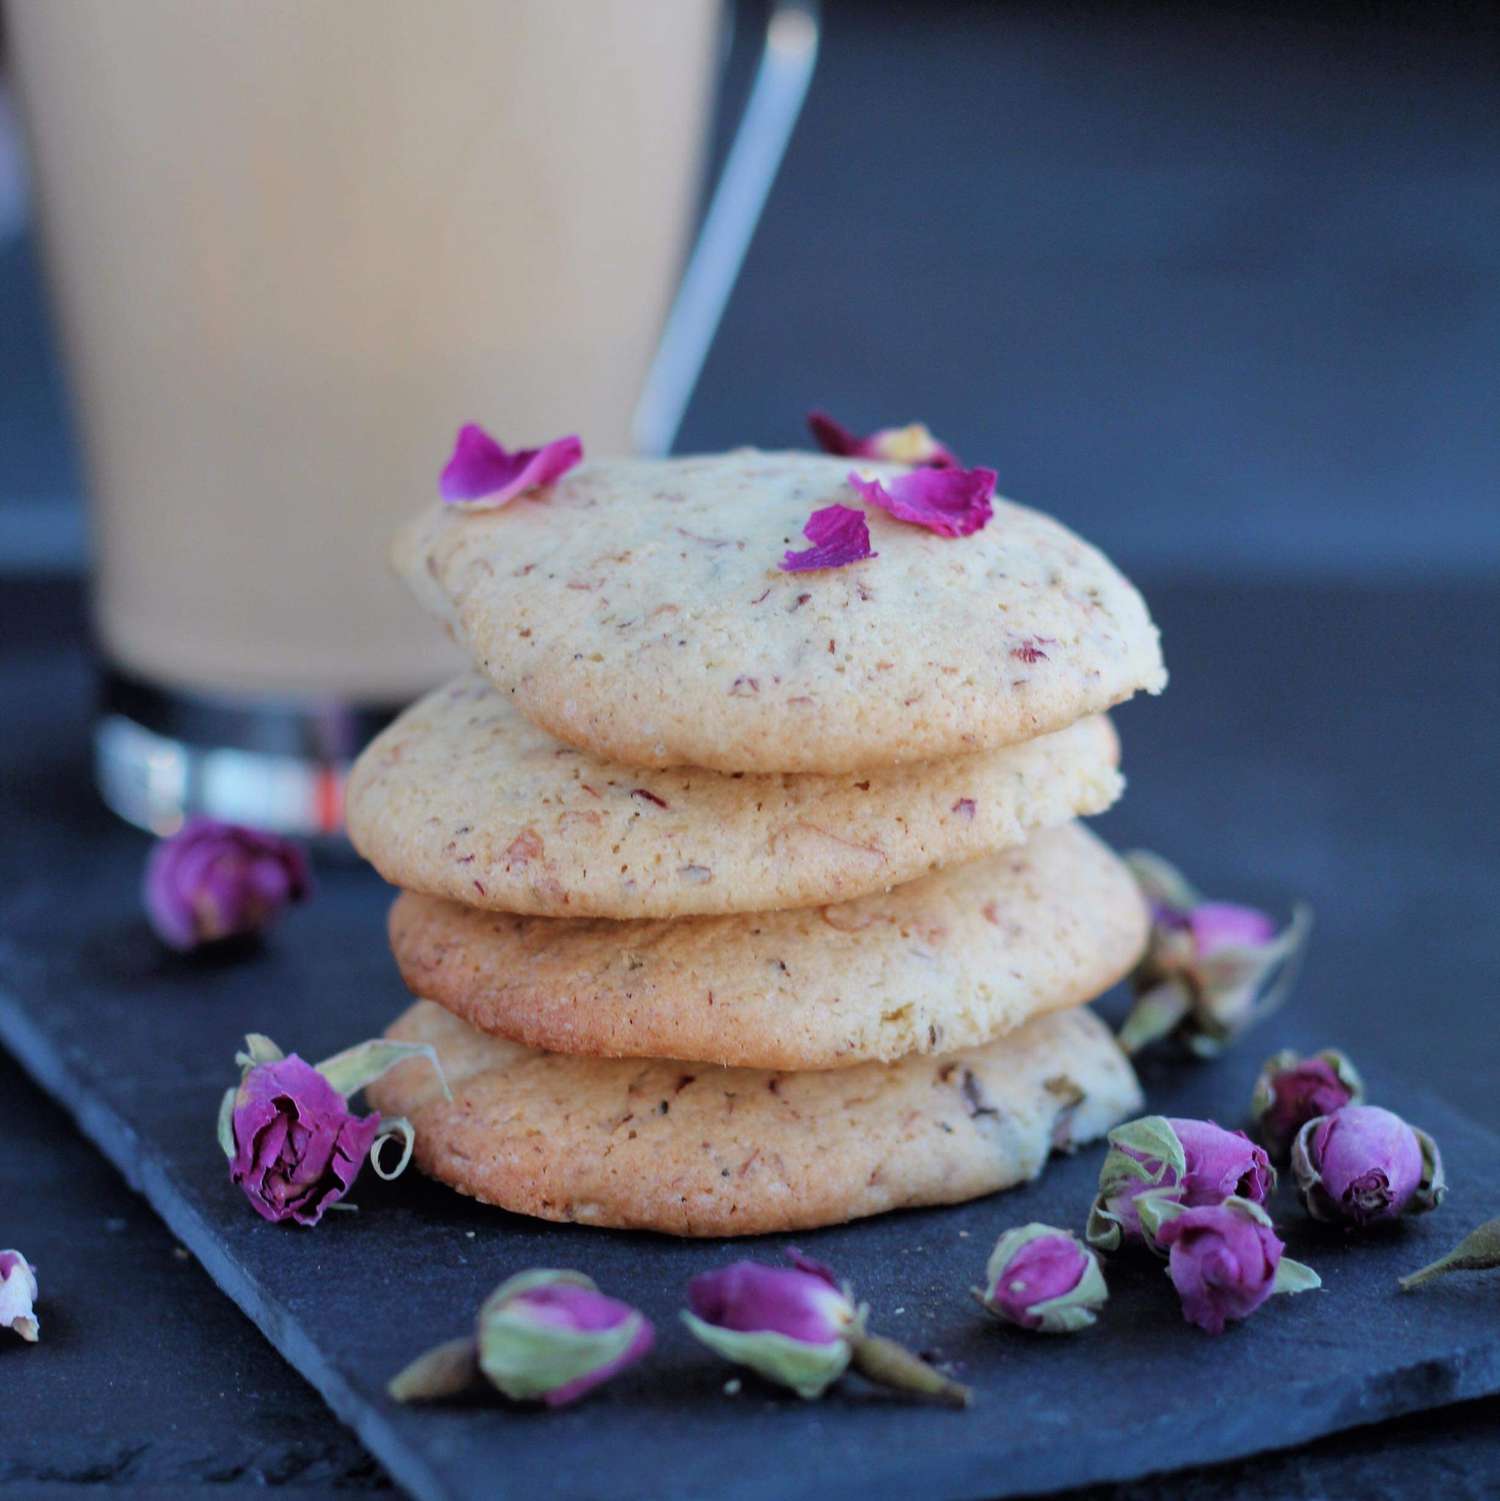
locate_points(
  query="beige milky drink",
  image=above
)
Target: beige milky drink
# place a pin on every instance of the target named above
(295, 245)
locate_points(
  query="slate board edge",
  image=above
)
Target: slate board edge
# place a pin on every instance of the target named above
(1310, 1409)
(139, 1164)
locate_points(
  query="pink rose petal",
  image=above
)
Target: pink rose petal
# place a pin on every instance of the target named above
(481, 470)
(840, 535)
(950, 502)
(1223, 925)
(911, 444)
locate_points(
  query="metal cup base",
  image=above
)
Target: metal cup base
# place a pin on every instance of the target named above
(161, 756)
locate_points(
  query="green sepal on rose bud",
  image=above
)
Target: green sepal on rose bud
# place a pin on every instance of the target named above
(1154, 1208)
(808, 1369)
(258, 1049)
(1295, 1277)
(1161, 882)
(1433, 1188)
(392, 1126)
(1478, 1251)
(1156, 1013)
(364, 1063)
(1145, 1160)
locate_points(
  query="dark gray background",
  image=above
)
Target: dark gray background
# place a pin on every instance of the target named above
(1220, 285)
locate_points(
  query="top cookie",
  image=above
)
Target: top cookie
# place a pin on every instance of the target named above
(635, 609)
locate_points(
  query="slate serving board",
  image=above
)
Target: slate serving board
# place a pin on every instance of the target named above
(139, 1050)
(127, 1316)
(138, 1047)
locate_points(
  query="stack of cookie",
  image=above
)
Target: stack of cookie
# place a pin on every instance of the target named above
(741, 899)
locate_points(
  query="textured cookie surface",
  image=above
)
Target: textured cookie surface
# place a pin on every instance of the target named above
(464, 797)
(635, 609)
(949, 961)
(657, 1145)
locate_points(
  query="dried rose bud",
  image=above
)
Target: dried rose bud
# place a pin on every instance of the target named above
(542, 1336)
(1044, 1279)
(1363, 1164)
(482, 476)
(1158, 1160)
(840, 535)
(18, 1295)
(1292, 1091)
(294, 1147)
(911, 444)
(1225, 1260)
(1211, 969)
(212, 880)
(950, 502)
(1478, 1251)
(554, 1336)
(797, 1326)
(794, 1325)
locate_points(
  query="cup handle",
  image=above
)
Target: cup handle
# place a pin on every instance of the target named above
(789, 53)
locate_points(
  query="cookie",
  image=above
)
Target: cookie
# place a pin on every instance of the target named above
(463, 797)
(657, 1145)
(635, 609)
(946, 962)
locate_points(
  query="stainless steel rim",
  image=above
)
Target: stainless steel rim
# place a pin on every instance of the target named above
(161, 756)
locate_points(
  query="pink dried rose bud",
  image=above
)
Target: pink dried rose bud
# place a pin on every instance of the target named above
(950, 502)
(840, 535)
(911, 444)
(795, 1325)
(481, 475)
(18, 1295)
(555, 1336)
(294, 1146)
(1363, 1164)
(542, 1336)
(799, 1327)
(1225, 1260)
(1158, 1160)
(210, 881)
(1211, 969)
(1044, 1279)
(1292, 1090)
